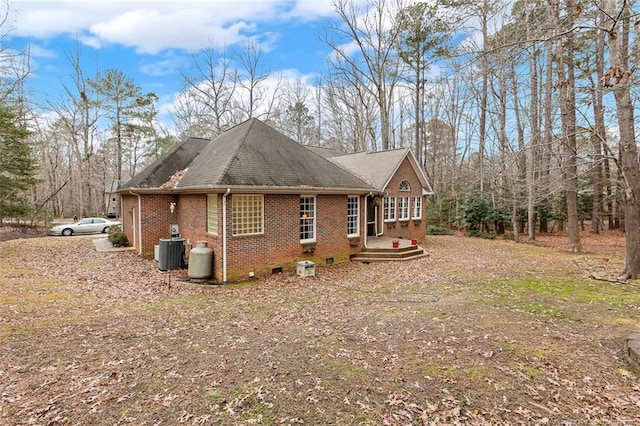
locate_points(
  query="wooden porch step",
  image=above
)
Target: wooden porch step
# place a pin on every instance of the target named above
(368, 255)
(390, 249)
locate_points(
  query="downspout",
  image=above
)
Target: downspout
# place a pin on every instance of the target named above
(224, 235)
(378, 233)
(139, 222)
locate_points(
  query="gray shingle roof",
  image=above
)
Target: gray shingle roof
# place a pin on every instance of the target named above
(254, 154)
(161, 171)
(376, 168)
(324, 151)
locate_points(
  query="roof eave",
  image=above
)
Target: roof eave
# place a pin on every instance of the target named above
(252, 189)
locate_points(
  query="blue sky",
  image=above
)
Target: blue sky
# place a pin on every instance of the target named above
(152, 41)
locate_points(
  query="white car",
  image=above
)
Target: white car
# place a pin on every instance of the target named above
(88, 225)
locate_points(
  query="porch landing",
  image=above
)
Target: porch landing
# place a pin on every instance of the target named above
(380, 249)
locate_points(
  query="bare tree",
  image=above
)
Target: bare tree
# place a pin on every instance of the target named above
(255, 99)
(77, 116)
(484, 12)
(295, 118)
(599, 133)
(351, 121)
(620, 78)
(209, 99)
(591, 67)
(565, 69)
(423, 39)
(364, 46)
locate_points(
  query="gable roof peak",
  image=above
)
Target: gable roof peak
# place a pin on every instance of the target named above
(253, 154)
(378, 167)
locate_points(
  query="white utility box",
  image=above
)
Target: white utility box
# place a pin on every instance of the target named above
(306, 269)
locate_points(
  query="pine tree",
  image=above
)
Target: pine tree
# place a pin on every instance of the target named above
(17, 166)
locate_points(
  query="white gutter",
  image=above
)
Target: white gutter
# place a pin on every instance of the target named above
(224, 235)
(139, 222)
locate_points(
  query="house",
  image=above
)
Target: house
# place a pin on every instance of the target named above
(263, 202)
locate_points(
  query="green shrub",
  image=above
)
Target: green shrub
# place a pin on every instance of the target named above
(485, 235)
(438, 230)
(117, 237)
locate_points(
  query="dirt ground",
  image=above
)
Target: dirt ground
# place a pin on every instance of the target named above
(479, 332)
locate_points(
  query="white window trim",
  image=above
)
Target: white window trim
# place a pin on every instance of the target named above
(233, 230)
(209, 203)
(414, 209)
(314, 217)
(407, 189)
(391, 210)
(406, 209)
(357, 233)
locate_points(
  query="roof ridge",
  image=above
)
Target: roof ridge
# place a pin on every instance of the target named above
(236, 149)
(382, 151)
(329, 160)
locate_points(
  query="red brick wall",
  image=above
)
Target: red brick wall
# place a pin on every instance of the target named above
(278, 247)
(193, 226)
(411, 229)
(156, 220)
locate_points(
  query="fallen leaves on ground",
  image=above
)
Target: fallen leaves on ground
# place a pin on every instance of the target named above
(479, 332)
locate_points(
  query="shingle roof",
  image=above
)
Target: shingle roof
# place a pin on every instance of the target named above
(375, 168)
(161, 171)
(254, 154)
(324, 151)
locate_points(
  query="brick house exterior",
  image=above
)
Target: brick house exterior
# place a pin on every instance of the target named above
(263, 202)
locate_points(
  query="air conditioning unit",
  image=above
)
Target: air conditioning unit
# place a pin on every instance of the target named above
(306, 269)
(171, 253)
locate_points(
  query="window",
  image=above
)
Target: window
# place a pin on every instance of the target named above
(389, 209)
(307, 219)
(403, 208)
(353, 216)
(212, 214)
(248, 214)
(416, 212)
(404, 186)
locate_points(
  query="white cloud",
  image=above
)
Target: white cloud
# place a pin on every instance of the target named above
(38, 51)
(91, 41)
(151, 31)
(162, 33)
(311, 9)
(43, 19)
(154, 26)
(168, 65)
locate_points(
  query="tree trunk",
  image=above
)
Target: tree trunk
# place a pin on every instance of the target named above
(619, 76)
(598, 137)
(611, 206)
(566, 83)
(529, 174)
(630, 180)
(484, 66)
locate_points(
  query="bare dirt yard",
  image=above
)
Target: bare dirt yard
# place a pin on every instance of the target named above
(480, 332)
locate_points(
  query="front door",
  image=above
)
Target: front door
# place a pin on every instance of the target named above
(372, 217)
